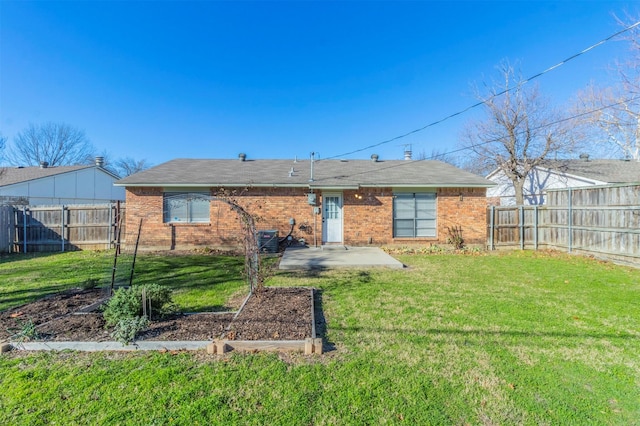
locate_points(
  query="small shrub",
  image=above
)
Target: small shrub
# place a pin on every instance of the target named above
(28, 331)
(158, 298)
(127, 303)
(455, 237)
(126, 329)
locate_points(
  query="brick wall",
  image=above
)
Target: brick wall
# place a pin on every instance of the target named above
(367, 216)
(223, 230)
(464, 207)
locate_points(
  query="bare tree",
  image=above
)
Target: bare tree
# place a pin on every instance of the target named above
(127, 166)
(628, 66)
(124, 166)
(3, 143)
(519, 132)
(611, 120)
(611, 115)
(443, 156)
(58, 144)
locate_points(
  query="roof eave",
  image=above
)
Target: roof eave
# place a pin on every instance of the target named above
(212, 185)
(306, 185)
(334, 187)
(429, 185)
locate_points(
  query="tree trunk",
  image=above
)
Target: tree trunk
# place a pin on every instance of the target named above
(518, 186)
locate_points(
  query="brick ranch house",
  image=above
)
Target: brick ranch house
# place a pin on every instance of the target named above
(351, 202)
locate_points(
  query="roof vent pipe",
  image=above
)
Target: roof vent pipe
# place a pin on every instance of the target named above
(100, 161)
(242, 156)
(407, 154)
(44, 164)
(584, 157)
(374, 158)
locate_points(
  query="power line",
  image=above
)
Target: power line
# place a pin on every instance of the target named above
(540, 127)
(477, 104)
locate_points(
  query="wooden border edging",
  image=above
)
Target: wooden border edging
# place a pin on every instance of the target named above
(140, 345)
(308, 346)
(313, 314)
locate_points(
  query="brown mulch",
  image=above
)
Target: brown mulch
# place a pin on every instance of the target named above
(47, 309)
(273, 314)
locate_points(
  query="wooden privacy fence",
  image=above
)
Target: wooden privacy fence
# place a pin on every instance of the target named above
(64, 228)
(603, 221)
(7, 228)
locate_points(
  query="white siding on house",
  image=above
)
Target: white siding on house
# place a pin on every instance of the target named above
(15, 190)
(538, 181)
(85, 186)
(104, 189)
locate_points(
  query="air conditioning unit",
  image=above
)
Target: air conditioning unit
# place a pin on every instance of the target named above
(268, 241)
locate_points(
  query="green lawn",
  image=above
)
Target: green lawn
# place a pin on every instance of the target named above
(200, 282)
(507, 338)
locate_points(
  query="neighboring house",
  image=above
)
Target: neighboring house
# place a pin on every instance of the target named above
(58, 185)
(560, 174)
(351, 202)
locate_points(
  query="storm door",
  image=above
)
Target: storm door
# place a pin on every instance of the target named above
(332, 218)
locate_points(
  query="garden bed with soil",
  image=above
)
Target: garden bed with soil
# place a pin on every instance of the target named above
(274, 314)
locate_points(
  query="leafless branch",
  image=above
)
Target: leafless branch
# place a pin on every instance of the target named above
(58, 144)
(520, 130)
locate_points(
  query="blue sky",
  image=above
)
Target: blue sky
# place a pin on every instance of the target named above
(158, 80)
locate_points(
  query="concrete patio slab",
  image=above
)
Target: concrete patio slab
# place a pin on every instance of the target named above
(327, 257)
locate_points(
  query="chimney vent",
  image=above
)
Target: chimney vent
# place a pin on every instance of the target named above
(374, 158)
(242, 156)
(100, 161)
(407, 154)
(44, 164)
(584, 157)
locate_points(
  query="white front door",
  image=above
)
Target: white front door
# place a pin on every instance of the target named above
(332, 218)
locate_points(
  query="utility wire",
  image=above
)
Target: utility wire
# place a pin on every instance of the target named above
(477, 104)
(540, 127)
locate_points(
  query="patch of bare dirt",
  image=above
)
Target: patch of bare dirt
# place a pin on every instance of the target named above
(273, 314)
(44, 310)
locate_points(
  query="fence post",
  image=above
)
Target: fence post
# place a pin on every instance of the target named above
(110, 225)
(521, 226)
(62, 226)
(24, 228)
(491, 226)
(570, 220)
(12, 232)
(535, 227)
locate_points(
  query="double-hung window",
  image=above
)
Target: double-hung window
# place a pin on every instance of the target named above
(414, 214)
(185, 207)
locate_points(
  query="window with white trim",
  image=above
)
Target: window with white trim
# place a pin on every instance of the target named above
(414, 214)
(185, 207)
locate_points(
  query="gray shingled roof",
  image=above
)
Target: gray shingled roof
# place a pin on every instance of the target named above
(326, 173)
(610, 171)
(13, 175)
